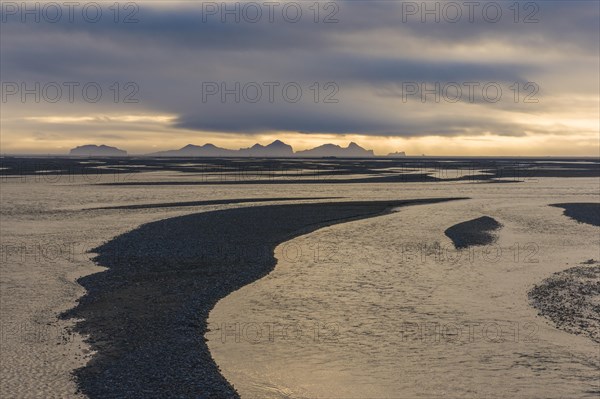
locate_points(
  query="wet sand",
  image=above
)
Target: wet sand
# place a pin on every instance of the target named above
(208, 202)
(146, 314)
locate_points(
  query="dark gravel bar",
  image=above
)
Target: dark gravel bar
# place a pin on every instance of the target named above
(473, 232)
(583, 212)
(146, 315)
(571, 299)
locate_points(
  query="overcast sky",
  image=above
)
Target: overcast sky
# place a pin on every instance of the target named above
(491, 78)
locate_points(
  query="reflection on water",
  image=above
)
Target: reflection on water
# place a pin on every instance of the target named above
(387, 308)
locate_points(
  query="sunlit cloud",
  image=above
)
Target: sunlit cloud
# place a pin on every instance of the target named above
(104, 118)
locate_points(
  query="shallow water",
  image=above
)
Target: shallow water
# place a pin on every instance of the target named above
(386, 308)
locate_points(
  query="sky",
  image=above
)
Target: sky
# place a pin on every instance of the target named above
(436, 78)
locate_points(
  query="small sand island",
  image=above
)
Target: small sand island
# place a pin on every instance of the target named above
(473, 232)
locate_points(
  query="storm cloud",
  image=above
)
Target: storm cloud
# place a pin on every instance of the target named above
(356, 63)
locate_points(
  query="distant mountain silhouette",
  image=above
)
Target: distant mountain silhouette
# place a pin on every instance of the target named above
(396, 154)
(332, 150)
(275, 149)
(97, 150)
(190, 150)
